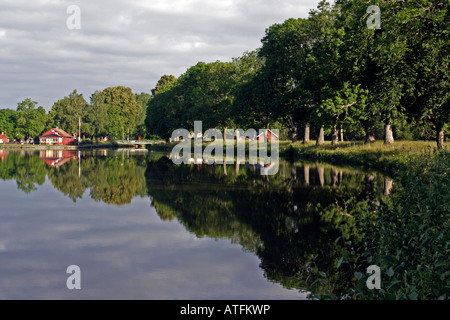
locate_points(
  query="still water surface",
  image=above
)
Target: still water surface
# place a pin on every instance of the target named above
(140, 227)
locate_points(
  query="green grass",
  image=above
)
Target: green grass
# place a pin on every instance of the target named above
(374, 155)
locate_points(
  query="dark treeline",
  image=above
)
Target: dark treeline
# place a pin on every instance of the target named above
(328, 76)
(325, 75)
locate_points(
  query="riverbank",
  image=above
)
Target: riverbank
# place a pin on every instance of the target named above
(108, 145)
(375, 155)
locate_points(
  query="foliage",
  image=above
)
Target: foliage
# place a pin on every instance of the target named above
(7, 122)
(30, 121)
(67, 112)
(406, 235)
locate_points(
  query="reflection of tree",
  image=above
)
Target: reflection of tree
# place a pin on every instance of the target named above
(25, 167)
(114, 179)
(280, 218)
(65, 178)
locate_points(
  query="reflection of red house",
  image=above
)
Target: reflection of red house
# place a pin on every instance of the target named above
(4, 138)
(56, 158)
(3, 154)
(271, 136)
(58, 137)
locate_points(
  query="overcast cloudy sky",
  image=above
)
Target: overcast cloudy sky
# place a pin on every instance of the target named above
(130, 43)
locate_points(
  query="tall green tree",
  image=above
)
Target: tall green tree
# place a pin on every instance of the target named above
(414, 54)
(164, 109)
(142, 98)
(208, 93)
(30, 120)
(163, 81)
(7, 122)
(67, 112)
(123, 110)
(96, 118)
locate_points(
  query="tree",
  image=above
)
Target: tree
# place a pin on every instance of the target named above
(96, 120)
(208, 93)
(66, 112)
(285, 49)
(7, 121)
(340, 107)
(143, 99)
(30, 121)
(417, 32)
(163, 81)
(164, 110)
(122, 110)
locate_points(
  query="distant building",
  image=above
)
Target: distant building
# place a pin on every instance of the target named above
(57, 136)
(4, 138)
(271, 136)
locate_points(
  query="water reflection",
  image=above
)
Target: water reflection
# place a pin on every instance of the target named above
(285, 220)
(289, 220)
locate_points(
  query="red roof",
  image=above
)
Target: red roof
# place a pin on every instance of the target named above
(56, 132)
(2, 136)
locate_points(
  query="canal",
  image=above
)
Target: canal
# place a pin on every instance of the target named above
(140, 227)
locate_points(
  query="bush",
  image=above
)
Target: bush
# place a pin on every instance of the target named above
(409, 239)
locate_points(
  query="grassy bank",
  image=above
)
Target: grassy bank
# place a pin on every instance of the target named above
(375, 155)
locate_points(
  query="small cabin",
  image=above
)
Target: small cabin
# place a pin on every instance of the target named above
(57, 136)
(271, 136)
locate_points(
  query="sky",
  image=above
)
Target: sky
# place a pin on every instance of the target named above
(47, 51)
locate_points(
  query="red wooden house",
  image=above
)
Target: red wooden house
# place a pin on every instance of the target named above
(271, 136)
(57, 136)
(4, 138)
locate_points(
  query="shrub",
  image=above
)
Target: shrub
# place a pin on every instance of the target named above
(407, 236)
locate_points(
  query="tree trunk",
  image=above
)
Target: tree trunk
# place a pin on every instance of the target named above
(342, 134)
(440, 137)
(294, 134)
(334, 136)
(388, 135)
(306, 136)
(224, 135)
(370, 135)
(320, 137)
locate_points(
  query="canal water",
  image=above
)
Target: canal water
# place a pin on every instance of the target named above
(140, 227)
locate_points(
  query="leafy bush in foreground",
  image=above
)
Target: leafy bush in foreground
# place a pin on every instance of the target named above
(409, 240)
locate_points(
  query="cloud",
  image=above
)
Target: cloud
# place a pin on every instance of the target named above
(131, 43)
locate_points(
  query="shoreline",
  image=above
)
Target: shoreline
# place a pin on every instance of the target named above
(63, 147)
